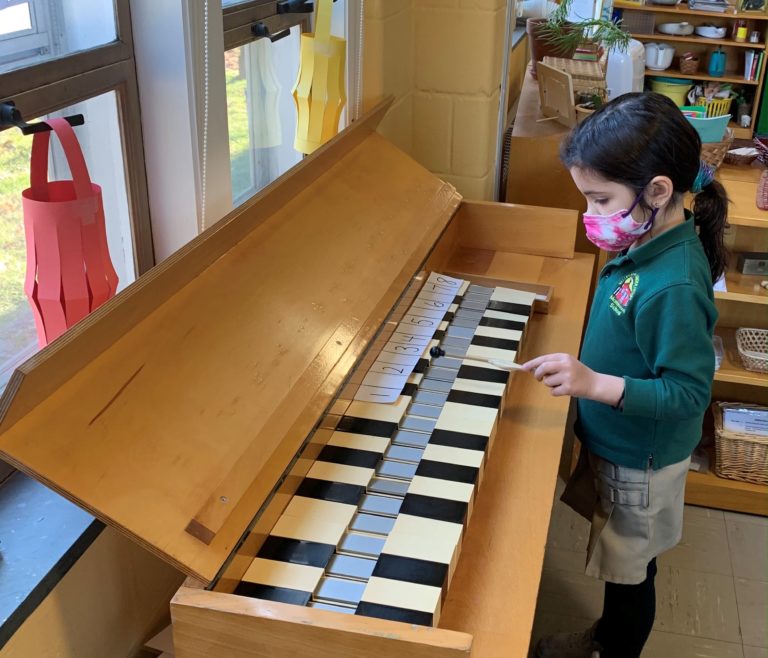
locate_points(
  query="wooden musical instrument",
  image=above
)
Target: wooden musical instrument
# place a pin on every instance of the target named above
(188, 411)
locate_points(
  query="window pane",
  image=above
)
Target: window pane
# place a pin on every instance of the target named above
(52, 29)
(101, 144)
(15, 18)
(261, 112)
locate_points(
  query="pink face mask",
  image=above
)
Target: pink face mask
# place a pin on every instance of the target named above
(618, 230)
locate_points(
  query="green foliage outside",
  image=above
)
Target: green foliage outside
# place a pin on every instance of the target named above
(16, 322)
(237, 115)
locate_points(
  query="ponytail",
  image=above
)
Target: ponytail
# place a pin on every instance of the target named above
(710, 213)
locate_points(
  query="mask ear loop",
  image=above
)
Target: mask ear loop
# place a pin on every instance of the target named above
(651, 219)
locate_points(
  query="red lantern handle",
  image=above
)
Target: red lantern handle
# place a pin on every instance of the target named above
(38, 173)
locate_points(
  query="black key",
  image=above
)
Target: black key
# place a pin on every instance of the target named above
(498, 323)
(449, 316)
(421, 366)
(366, 426)
(440, 509)
(411, 570)
(296, 551)
(381, 611)
(445, 471)
(458, 299)
(409, 390)
(439, 334)
(475, 399)
(458, 440)
(507, 307)
(349, 456)
(498, 343)
(483, 374)
(269, 593)
(337, 492)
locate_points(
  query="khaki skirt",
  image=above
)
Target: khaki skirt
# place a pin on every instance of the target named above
(636, 514)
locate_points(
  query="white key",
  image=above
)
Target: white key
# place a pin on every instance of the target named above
(467, 418)
(283, 574)
(398, 593)
(359, 441)
(340, 473)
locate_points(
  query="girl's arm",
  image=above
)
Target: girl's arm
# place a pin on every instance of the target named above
(566, 375)
(674, 334)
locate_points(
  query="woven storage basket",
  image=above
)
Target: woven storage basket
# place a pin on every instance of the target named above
(738, 159)
(716, 107)
(714, 153)
(739, 456)
(689, 66)
(753, 348)
(637, 22)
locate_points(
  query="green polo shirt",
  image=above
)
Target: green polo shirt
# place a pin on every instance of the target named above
(651, 323)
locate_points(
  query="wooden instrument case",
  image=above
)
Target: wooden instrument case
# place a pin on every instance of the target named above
(175, 410)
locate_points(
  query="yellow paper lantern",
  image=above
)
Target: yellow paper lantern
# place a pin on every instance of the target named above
(319, 92)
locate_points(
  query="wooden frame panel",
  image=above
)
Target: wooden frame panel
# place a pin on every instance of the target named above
(208, 624)
(508, 227)
(262, 337)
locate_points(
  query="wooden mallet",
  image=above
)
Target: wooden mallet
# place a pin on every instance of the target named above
(437, 352)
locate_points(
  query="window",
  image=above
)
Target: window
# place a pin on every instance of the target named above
(260, 111)
(260, 75)
(94, 75)
(33, 31)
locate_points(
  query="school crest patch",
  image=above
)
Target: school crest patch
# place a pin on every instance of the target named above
(623, 294)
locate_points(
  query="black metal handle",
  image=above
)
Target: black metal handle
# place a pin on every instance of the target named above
(296, 6)
(261, 31)
(11, 117)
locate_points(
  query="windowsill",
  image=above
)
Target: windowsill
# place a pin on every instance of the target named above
(517, 36)
(41, 536)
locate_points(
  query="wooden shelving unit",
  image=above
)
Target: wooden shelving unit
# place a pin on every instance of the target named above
(735, 50)
(731, 369)
(706, 489)
(683, 10)
(744, 304)
(696, 39)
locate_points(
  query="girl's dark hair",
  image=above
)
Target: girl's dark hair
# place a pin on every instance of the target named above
(638, 136)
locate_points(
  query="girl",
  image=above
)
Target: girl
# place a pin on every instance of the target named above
(647, 362)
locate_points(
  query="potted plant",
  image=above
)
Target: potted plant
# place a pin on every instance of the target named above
(559, 37)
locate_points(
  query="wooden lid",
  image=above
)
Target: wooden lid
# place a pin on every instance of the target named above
(170, 412)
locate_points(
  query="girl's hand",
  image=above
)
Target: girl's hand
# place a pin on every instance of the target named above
(566, 375)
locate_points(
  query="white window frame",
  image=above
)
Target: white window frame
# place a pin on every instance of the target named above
(173, 32)
(26, 45)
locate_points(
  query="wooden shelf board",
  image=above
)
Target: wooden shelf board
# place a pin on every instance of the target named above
(743, 288)
(750, 173)
(709, 490)
(739, 132)
(674, 73)
(660, 36)
(684, 10)
(743, 210)
(731, 369)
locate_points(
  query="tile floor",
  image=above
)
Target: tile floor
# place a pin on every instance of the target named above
(711, 589)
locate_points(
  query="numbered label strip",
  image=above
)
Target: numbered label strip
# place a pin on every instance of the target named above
(411, 340)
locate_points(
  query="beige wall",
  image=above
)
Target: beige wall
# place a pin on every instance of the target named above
(112, 599)
(441, 59)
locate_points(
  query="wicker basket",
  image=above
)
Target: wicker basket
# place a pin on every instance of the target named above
(716, 107)
(714, 153)
(753, 348)
(689, 66)
(739, 159)
(739, 456)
